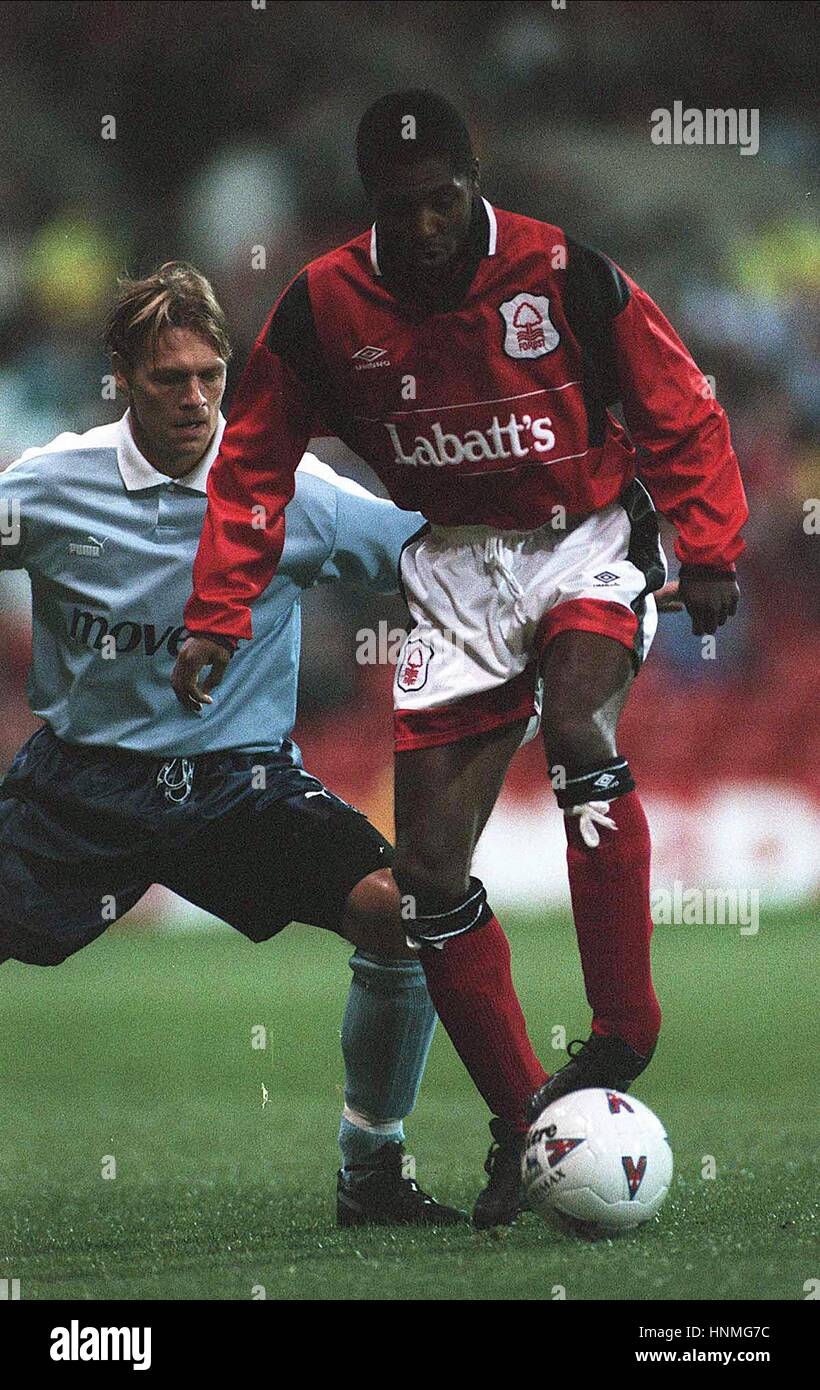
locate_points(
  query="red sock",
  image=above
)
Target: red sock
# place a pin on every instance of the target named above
(610, 900)
(471, 987)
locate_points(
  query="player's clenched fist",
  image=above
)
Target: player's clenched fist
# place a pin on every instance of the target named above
(195, 654)
(708, 601)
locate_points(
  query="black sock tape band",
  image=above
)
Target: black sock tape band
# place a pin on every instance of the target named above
(432, 923)
(603, 783)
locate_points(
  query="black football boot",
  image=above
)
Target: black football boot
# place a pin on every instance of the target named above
(500, 1202)
(600, 1061)
(385, 1197)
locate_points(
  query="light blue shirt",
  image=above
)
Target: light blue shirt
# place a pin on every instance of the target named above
(109, 543)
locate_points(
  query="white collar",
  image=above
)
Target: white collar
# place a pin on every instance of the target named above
(492, 238)
(137, 472)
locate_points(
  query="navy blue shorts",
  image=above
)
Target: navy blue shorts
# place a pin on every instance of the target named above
(246, 836)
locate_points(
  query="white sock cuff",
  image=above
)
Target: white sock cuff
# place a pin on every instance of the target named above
(384, 1127)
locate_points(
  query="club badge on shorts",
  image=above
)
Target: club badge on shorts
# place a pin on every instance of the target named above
(415, 661)
(529, 331)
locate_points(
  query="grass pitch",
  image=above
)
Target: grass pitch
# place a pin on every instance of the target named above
(139, 1049)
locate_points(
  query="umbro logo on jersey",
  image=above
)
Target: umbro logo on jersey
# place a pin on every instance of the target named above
(90, 546)
(529, 331)
(606, 577)
(368, 357)
(605, 781)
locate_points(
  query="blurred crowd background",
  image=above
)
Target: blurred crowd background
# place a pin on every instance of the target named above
(235, 129)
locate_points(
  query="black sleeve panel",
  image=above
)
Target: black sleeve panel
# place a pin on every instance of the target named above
(292, 336)
(595, 293)
(596, 285)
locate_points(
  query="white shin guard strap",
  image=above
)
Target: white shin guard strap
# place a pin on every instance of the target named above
(592, 814)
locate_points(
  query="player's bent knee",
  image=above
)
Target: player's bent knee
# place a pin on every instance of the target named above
(372, 919)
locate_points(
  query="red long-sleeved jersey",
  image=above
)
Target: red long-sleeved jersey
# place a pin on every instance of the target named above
(493, 410)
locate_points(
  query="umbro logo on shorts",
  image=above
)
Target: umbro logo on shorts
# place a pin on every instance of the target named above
(606, 577)
(605, 781)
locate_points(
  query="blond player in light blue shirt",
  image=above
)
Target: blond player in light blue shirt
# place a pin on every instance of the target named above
(122, 788)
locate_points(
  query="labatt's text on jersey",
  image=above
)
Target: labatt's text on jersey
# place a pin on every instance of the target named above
(521, 437)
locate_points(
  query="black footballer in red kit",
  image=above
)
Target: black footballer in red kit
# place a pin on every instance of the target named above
(472, 357)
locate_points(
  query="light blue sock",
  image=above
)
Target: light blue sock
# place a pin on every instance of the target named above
(387, 1030)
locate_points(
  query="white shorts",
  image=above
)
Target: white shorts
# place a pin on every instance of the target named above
(486, 603)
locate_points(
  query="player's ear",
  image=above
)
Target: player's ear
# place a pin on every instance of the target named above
(120, 369)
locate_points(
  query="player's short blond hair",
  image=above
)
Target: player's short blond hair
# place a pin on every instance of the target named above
(175, 296)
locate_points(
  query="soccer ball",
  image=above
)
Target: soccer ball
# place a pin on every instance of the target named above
(596, 1161)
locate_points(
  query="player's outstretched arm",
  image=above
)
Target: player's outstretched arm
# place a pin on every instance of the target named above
(252, 478)
(689, 464)
(249, 486)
